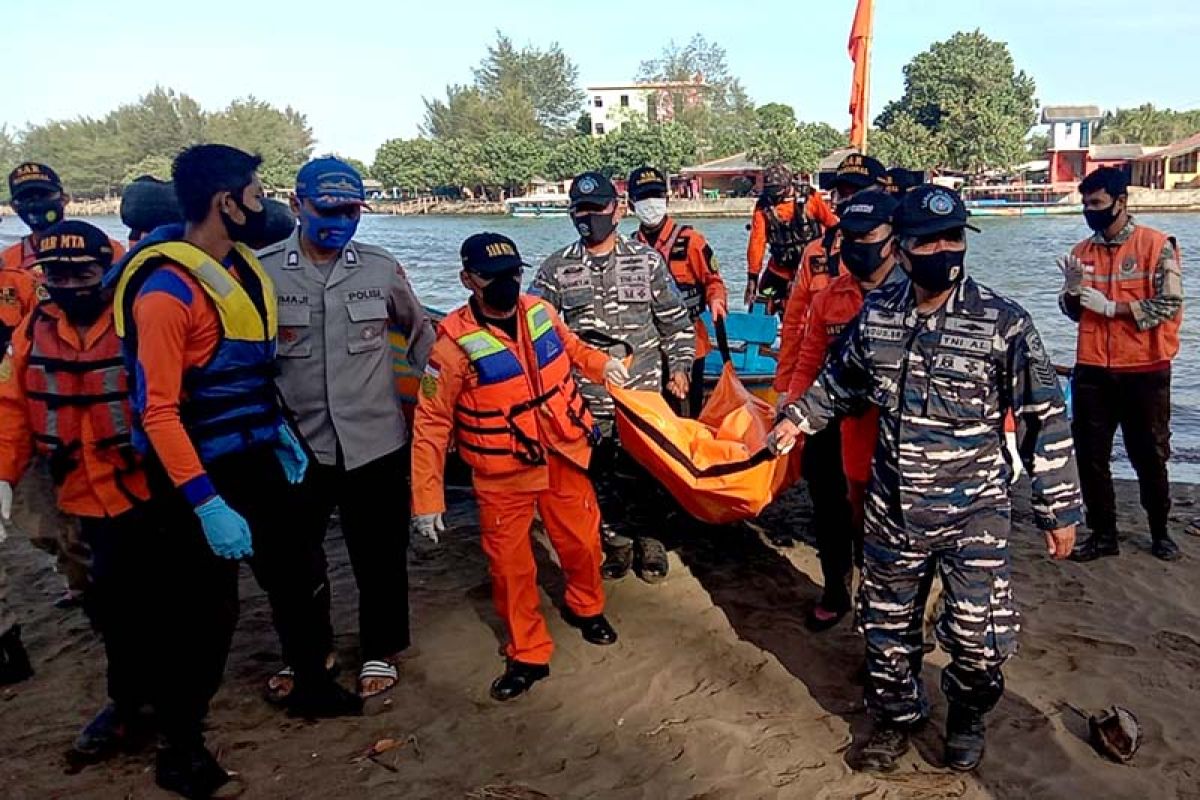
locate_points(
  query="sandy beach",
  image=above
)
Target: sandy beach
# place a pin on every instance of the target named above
(715, 690)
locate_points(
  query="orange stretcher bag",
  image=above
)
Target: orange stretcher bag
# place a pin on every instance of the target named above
(717, 467)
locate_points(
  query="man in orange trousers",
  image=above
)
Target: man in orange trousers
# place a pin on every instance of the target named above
(498, 384)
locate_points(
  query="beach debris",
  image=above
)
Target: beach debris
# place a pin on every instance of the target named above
(1193, 527)
(386, 745)
(1115, 733)
(510, 792)
(664, 725)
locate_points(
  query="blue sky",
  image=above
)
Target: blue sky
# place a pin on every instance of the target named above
(359, 68)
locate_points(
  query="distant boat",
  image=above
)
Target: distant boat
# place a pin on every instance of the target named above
(1029, 200)
(538, 205)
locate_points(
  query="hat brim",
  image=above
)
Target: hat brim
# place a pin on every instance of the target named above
(645, 191)
(934, 226)
(31, 185)
(328, 201)
(72, 261)
(492, 269)
(862, 225)
(857, 181)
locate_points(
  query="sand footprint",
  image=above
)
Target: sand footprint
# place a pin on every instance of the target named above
(1101, 646)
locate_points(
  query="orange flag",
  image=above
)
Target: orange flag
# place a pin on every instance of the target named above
(860, 42)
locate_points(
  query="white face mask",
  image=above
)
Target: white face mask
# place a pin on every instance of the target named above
(651, 211)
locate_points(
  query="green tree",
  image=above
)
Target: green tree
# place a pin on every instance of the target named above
(722, 124)
(1146, 125)
(779, 139)
(408, 164)
(668, 146)
(282, 138)
(905, 143)
(546, 77)
(573, 156)
(469, 113)
(159, 124)
(512, 160)
(1036, 146)
(968, 92)
(85, 152)
(10, 152)
(157, 165)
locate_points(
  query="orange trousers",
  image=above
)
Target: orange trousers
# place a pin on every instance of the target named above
(572, 519)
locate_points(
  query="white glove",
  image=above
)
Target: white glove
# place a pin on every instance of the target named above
(429, 526)
(1095, 301)
(6, 495)
(616, 372)
(1072, 270)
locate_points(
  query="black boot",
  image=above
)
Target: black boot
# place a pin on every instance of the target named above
(595, 629)
(887, 744)
(14, 661)
(1165, 549)
(652, 562)
(1098, 545)
(189, 771)
(322, 698)
(618, 556)
(964, 738)
(517, 679)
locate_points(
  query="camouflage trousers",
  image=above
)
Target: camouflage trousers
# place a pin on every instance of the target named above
(977, 627)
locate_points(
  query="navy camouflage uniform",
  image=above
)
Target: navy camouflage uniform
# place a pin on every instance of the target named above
(939, 489)
(628, 295)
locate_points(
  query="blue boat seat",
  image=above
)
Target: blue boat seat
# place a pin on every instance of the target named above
(750, 334)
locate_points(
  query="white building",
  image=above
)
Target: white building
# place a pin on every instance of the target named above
(611, 106)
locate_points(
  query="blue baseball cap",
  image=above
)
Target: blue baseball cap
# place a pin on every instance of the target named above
(329, 183)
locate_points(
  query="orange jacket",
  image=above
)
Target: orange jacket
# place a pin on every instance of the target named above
(831, 311)
(1125, 273)
(102, 478)
(178, 329)
(21, 255)
(18, 296)
(489, 394)
(812, 277)
(817, 209)
(695, 270)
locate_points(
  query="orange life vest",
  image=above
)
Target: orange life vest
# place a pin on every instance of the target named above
(1124, 273)
(518, 402)
(64, 384)
(673, 246)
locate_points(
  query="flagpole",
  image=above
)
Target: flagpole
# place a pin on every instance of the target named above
(867, 84)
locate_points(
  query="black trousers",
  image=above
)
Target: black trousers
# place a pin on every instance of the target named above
(125, 600)
(630, 499)
(689, 407)
(1140, 403)
(373, 503)
(199, 590)
(832, 518)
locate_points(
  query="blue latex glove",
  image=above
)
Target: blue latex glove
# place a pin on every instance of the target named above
(227, 531)
(291, 455)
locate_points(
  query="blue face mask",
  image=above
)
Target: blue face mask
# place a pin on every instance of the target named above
(331, 233)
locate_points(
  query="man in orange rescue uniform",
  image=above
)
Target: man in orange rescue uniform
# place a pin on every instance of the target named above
(1124, 286)
(499, 384)
(820, 264)
(837, 460)
(64, 390)
(693, 265)
(785, 220)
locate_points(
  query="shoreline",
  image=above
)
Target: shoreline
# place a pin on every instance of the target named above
(1141, 201)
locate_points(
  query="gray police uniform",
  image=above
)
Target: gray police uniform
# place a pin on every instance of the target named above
(940, 480)
(334, 358)
(628, 295)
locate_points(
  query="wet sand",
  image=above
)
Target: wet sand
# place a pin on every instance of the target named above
(715, 690)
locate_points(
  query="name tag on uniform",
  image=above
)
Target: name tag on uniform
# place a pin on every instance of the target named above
(574, 278)
(969, 343)
(373, 293)
(633, 283)
(883, 333)
(960, 366)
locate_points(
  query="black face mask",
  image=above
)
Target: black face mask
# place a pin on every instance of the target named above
(41, 214)
(862, 258)
(594, 226)
(936, 272)
(83, 305)
(252, 229)
(502, 293)
(1101, 219)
